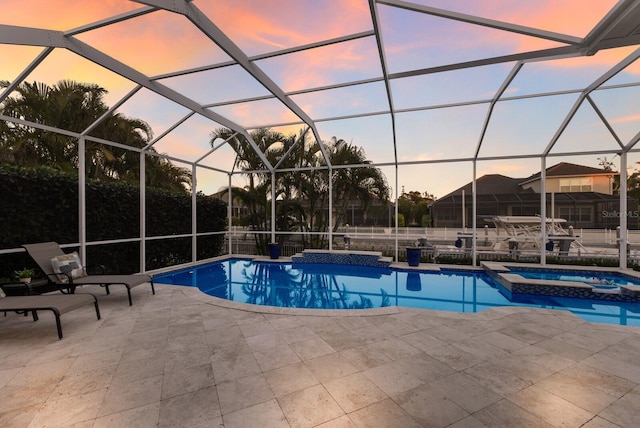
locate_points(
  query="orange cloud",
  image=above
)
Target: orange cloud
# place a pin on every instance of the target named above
(156, 43)
(161, 42)
(254, 27)
(153, 43)
(61, 14)
(626, 119)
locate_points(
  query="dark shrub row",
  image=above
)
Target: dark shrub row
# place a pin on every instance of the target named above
(42, 205)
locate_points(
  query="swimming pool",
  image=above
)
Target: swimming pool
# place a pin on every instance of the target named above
(335, 286)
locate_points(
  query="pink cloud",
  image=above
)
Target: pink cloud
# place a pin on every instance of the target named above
(273, 25)
(570, 17)
(626, 119)
(270, 24)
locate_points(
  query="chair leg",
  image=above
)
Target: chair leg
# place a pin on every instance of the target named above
(70, 290)
(129, 293)
(58, 323)
(153, 289)
(95, 303)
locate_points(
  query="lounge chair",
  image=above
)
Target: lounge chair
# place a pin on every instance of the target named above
(56, 303)
(69, 273)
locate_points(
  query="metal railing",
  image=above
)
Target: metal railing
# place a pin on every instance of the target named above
(592, 243)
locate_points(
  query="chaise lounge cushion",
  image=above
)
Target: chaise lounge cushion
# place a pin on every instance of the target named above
(68, 265)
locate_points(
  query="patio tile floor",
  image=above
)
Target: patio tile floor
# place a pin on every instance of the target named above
(181, 358)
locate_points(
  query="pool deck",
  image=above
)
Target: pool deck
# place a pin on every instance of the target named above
(182, 358)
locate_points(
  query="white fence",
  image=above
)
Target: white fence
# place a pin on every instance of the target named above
(587, 237)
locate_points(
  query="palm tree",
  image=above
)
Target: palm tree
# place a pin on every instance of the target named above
(354, 183)
(302, 192)
(313, 188)
(75, 106)
(254, 195)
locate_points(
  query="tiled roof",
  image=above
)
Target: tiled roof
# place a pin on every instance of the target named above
(492, 184)
(565, 169)
(497, 184)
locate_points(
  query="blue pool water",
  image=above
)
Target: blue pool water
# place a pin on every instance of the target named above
(597, 279)
(333, 286)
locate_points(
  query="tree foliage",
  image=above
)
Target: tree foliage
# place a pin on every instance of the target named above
(414, 207)
(633, 179)
(302, 190)
(80, 107)
(42, 205)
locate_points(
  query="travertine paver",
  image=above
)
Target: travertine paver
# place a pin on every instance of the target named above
(181, 358)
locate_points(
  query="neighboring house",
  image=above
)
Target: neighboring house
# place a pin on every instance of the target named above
(580, 194)
(238, 209)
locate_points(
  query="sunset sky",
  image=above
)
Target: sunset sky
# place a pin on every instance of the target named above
(161, 42)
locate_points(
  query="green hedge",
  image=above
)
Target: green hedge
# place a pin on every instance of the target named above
(42, 205)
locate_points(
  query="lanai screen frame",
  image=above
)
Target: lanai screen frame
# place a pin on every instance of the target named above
(608, 33)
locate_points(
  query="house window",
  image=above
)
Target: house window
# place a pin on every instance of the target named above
(576, 184)
(576, 214)
(585, 214)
